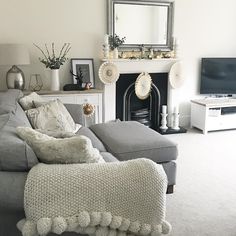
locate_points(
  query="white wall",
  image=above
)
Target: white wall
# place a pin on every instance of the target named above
(204, 28)
(80, 22)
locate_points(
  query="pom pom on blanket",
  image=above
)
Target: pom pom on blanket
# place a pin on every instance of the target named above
(44, 226)
(59, 225)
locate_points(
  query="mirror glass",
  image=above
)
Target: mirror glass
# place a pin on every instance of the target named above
(147, 23)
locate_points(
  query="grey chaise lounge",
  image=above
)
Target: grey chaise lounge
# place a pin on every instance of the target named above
(115, 141)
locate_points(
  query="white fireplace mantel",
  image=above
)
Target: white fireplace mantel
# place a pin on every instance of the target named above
(127, 66)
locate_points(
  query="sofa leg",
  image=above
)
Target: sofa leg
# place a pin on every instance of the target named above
(170, 189)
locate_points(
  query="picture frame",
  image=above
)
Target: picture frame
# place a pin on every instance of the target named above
(86, 67)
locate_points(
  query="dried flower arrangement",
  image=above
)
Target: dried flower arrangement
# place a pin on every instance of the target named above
(51, 60)
(115, 41)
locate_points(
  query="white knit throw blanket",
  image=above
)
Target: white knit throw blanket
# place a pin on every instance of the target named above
(105, 199)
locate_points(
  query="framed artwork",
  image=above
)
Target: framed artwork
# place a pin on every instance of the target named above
(83, 68)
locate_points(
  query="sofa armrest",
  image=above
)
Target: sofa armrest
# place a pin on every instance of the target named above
(12, 190)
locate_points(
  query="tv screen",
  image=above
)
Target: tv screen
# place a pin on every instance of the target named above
(218, 76)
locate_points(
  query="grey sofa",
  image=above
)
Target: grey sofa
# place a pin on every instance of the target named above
(116, 141)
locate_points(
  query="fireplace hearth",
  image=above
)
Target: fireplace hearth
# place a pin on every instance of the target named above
(130, 107)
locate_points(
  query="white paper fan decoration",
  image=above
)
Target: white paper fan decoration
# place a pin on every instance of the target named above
(143, 86)
(108, 73)
(176, 77)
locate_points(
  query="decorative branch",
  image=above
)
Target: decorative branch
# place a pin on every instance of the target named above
(41, 51)
(53, 50)
(52, 61)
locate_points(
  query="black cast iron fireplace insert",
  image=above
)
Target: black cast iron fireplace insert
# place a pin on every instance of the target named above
(130, 107)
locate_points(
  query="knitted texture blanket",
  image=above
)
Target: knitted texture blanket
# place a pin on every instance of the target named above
(105, 199)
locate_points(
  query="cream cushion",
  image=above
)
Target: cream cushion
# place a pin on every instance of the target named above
(56, 134)
(64, 111)
(52, 116)
(27, 101)
(77, 149)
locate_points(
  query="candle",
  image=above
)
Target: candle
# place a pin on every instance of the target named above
(106, 39)
(164, 109)
(176, 109)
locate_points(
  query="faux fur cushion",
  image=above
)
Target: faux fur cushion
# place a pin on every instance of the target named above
(77, 149)
(52, 116)
(56, 134)
(27, 101)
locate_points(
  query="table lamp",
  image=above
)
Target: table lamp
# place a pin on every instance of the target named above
(14, 55)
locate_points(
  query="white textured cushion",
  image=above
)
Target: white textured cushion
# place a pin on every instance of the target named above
(52, 117)
(64, 111)
(56, 134)
(27, 101)
(77, 149)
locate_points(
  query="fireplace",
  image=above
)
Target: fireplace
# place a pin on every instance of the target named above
(130, 69)
(130, 107)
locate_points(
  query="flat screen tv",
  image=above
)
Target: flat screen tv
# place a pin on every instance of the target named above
(218, 76)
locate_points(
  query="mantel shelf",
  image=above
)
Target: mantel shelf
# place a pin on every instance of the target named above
(127, 66)
(142, 60)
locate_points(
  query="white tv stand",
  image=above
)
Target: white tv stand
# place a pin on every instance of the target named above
(211, 114)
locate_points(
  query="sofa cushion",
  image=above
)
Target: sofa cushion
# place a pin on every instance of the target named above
(129, 140)
(27, 102)
(52, 116)
(9, 100)
(76, 149)
(15, 154)
(108, 157)
(95, 141)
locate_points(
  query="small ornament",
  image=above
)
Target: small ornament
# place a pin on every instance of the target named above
(88, 109)
(106, 47)
(88, 86)
(143, 52)
(143, 86)
(176, 77)
(151, 53)
(79, 77)
(108, 73)
(35, 83)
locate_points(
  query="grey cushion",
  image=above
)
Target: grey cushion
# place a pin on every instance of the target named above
(95, 141)
(8, 100)
(108, 157)
(129, 140)
(15, 154)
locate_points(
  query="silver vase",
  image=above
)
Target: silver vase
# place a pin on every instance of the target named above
(15, 78)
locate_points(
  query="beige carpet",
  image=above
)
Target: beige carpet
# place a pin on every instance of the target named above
(204, 202)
